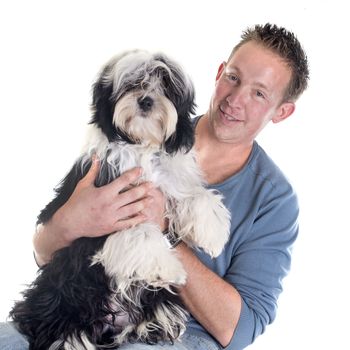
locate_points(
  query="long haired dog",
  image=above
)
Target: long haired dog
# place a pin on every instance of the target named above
(101, 292)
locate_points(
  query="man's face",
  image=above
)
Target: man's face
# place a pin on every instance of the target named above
(248, 94)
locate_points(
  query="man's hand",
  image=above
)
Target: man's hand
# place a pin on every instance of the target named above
(95, 211)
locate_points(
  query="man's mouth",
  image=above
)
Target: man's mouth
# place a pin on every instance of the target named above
(229, 117)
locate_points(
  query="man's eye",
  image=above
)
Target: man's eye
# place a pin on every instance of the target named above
(260, 94)
(232, 77)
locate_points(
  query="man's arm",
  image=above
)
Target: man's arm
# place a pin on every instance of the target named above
(213, 302)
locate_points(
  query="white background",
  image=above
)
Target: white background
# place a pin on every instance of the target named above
(50, 54)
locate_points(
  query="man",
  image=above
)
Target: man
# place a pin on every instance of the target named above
(231, 298)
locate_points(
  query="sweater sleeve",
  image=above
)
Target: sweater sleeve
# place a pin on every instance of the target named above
(260, 262)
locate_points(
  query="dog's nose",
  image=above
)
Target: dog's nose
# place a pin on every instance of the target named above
(145, 103)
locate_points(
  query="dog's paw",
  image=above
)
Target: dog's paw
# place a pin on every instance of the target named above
(208, 225)
(160, 266)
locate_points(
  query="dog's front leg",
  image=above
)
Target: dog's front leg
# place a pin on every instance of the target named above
(195, 213)
(202, 220)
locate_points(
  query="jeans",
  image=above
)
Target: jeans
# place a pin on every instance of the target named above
(11, 339)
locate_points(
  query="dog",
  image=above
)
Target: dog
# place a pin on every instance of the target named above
(102, 292)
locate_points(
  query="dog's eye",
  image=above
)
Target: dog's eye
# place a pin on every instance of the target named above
(145, 85)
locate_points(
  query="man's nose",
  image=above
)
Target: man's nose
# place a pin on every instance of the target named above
(237, 98)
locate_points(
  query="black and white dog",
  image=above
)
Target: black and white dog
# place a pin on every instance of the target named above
(102, 292)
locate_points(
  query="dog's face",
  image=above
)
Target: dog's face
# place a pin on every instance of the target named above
(144, 98)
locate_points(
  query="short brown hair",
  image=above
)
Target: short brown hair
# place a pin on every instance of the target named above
(286, 45)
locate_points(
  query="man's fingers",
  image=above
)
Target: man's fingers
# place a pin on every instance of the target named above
(124, 180)
(130, 222)
(134, 194)
(133, 208)
(90, 177)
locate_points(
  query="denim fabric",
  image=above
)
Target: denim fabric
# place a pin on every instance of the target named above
(11, 339)
(188, 342)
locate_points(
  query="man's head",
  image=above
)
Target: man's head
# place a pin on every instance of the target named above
(286, 45)
(266, 72)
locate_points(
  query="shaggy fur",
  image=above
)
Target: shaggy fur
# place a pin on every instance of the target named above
(102, 292)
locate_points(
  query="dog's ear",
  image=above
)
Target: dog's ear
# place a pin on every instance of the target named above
(102, 104)
(183, 138)
(179, 89)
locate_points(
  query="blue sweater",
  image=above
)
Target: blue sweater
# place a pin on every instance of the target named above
(264, 212)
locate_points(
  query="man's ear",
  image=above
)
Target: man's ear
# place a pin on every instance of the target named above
(220, 70)
(283, 111)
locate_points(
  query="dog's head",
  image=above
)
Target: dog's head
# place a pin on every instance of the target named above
(144, 98)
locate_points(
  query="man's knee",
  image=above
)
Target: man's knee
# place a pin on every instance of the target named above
(11, 339)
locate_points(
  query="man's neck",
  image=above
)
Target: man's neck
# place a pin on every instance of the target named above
(218, 160)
